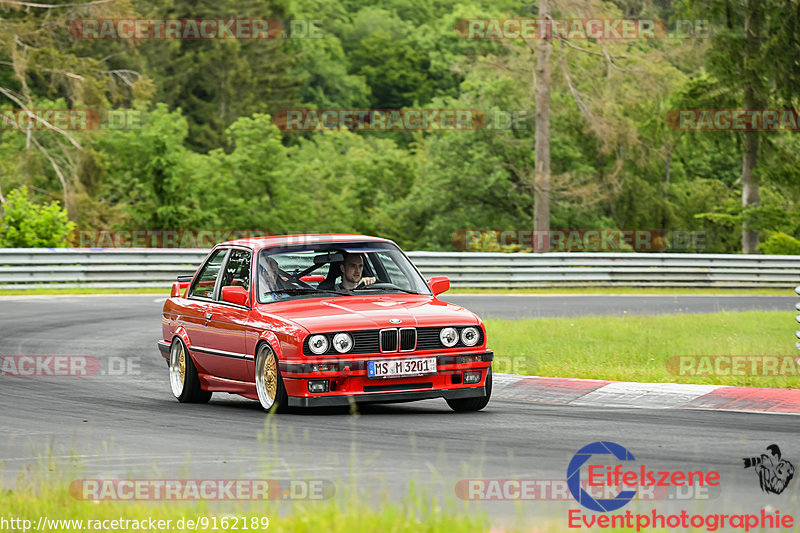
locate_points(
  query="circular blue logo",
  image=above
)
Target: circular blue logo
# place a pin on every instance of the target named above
(574, 477)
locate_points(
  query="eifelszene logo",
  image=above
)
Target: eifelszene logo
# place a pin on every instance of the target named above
(617, 476)
(614, 472)
(574, 476)
(774, 473)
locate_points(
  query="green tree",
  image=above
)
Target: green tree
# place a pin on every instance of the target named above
(753, 54)
(25, 224)
(250, 188)
(215, 82)
(345, 182)
(44, 66)
(395, 71)
(154, 177)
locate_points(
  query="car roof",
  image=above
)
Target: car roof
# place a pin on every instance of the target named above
(283, 240)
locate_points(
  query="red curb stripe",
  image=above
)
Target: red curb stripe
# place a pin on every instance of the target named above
(551, 390)
(749, 399)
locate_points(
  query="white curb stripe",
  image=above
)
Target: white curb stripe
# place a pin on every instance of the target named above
(650, 395)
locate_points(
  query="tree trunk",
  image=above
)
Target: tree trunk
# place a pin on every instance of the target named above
(541, 177)
(750, 181)
(665, 193)
(750, 185)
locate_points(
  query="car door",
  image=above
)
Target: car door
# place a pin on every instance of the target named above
(194, 317)
(227, 322)
(200, 293)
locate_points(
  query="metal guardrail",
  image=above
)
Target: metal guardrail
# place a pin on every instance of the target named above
(610, 269)
(119, 267)
(26, 268)
(797, 306)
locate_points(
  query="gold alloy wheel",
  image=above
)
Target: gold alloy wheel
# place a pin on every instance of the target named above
(266, 376)
(182, 365)
(271, 375)
(177, 368)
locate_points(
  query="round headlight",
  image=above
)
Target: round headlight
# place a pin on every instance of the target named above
(470, 336)
(448, 337)
(318, 344)
(342, 342)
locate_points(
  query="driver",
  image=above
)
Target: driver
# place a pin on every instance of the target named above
(352, 268)
(268, 277)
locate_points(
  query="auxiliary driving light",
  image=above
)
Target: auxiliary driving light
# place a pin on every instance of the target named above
(318, 344)
(319, 385)
(469, 377)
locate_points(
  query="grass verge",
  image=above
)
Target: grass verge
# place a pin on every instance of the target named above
(48, 503)
(57, 504)
(645, 348)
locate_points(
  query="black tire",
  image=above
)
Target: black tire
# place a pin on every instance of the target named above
(269, 382)
(461, 405)
(183, 378)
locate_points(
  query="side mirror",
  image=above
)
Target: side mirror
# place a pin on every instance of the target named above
(176, 290)
(439, 284)
(236, 295)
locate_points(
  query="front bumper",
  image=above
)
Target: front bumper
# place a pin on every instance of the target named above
(385, 397)
(358, 366)
(348, 381)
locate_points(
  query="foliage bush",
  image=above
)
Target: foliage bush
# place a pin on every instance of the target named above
(780, 244)
(25, 224)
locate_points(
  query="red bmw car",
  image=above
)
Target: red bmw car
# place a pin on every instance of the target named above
(321, 320)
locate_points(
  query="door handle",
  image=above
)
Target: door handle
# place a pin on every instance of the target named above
(208, 316)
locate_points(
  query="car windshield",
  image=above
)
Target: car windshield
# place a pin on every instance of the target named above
(335, 269)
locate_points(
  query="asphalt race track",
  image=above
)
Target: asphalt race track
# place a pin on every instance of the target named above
(123, 421)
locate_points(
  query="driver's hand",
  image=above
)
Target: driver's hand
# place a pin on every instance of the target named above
(367, 281)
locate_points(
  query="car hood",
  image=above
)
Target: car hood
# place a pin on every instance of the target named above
(347, 313)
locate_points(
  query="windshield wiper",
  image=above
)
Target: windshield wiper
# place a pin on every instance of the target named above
(307, 290)
(370, 287)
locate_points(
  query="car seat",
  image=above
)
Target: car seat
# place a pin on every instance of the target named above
(334, 273)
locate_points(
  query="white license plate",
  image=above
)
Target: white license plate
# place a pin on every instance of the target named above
(389, 368)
